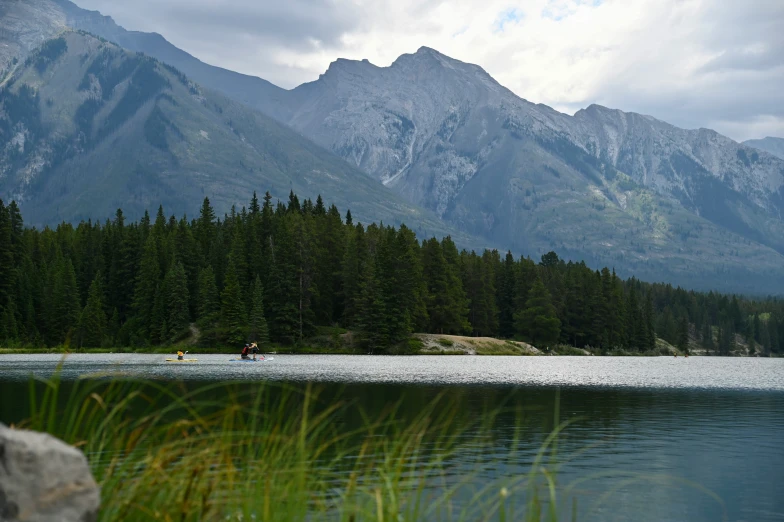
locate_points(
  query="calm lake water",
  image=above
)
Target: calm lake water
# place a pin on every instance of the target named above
(654, 439)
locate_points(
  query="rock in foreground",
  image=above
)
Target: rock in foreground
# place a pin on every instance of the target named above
(43, 479)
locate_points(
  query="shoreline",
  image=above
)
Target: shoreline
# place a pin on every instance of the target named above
(571, 352)
(417, 344)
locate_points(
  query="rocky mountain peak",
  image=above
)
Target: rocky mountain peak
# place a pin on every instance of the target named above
(342, 66)
(428, 61)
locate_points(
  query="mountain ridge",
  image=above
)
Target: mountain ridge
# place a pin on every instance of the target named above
(87, 127)
(450, 138)
(612, 187)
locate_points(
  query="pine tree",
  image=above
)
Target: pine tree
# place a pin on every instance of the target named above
(479, 281)
(752, 334)
(505, 288)
(319, 210)
(617, 315)
(283, 289)
(757, 328)
(177, 302)
(65, 302)
(8, 324)
(205, 228)
(636, 321)
(6, 263)
(233, 316)
(257, 328)
(726, 338)
(209, 299)
(447, 306)
(238, 253)
(538, 323)
(527, 272)
(113, 328)
(352, 265)
(330, 241)
(92, 322)
(649, 332)
(254, 205)
(293, 205)
(147, 282)
(372, 319)
(707, 335)
(683, 335)
(158, 330)
(596, 314)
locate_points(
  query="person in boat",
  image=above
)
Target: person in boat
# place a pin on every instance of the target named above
(245, 351)
(254, 348)
(180, 355)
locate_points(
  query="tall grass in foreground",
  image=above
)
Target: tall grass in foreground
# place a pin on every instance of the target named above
(279, 452)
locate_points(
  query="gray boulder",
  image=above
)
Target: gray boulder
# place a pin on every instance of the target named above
(43, 479)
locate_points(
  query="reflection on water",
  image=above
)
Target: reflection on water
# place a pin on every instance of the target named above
(650, 439)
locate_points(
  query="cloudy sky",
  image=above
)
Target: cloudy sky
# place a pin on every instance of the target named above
(694, 63)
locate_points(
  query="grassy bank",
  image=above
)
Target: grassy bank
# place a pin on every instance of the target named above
(281, 453)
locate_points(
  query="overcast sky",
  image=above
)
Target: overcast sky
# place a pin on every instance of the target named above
(694, 63)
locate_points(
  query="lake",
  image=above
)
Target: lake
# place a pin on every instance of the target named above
(652, 439)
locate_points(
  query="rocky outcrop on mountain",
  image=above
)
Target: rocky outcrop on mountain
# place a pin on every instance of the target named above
(772, 145)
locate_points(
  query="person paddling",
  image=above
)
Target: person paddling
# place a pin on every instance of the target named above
(180, 355)
(245, 352)
(255, 349)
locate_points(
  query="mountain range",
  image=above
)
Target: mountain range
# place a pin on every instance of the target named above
(87, 127)
(614, 188)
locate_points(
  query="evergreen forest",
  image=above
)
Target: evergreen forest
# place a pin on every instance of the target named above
(280, 273)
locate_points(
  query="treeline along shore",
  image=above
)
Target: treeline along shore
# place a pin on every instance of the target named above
(283, 273)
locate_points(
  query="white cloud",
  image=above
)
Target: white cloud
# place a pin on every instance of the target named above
(694, 63)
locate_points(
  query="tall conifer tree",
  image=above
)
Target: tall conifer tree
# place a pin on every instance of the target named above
(177, 302)
(234, 318)
(257, 322)
(92, 322)
(538, 323)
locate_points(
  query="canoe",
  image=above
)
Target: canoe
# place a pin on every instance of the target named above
(251, 360)
(181, 360)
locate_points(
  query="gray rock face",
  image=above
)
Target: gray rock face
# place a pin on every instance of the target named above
(26, 24)
(43, 479)
(431, 116)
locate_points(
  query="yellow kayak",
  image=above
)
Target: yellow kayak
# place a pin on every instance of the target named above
(181, 360)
